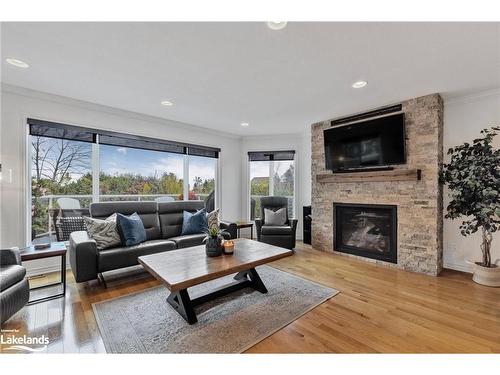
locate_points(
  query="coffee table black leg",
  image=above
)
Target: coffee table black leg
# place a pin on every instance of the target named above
(181, 302)
(254, 278)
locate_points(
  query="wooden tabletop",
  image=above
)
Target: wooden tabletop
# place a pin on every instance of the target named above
(183, 268)
(55, 249)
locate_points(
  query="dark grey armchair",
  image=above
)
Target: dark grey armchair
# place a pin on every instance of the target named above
(278, 235)
(14, 287)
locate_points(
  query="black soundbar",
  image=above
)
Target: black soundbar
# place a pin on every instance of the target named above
(365, 115)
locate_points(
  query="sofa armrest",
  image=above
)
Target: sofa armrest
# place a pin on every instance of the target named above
(229, 228)
(10, 256)
(83, 256)
(293, 224)
(258, 227)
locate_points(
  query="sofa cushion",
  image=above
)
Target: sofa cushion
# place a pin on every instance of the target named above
(147, 211)
(194, 223)
(188, 240)
(276, 230)
(103, 232)
(10, 275)
(120, 257)
(131, 229)
(170, 214)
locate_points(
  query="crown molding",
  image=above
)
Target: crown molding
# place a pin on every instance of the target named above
(469, 98)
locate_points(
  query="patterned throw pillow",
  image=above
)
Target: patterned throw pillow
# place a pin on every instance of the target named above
(213, 219)
(103, 231)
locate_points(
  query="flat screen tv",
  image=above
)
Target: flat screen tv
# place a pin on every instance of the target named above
(373, 143)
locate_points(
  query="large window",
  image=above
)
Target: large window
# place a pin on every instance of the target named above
(271, 174)
(72, 167)
(202, 177)
(135, 174)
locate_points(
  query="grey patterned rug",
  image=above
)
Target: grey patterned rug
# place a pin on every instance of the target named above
(144, 322)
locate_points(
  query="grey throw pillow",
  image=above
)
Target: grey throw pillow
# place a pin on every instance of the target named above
(104, 232)
(275, 218)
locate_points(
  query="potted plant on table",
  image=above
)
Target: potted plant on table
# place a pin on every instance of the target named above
(473, 180)
(213, 240)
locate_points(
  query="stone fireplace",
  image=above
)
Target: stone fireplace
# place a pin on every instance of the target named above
(414, 242)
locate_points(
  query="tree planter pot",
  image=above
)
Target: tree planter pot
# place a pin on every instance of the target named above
(489, 276)
(213, 247)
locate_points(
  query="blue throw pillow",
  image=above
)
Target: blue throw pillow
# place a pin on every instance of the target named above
(194, 223)
(131, 229)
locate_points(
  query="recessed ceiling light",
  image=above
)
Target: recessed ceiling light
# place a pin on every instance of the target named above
(16, 62)
(276, 25)
(359, 84)
(167, 103)
(244, 124)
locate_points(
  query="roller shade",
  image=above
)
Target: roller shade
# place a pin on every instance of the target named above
(271, 155)
(203, 151)
(76, 133)
(60, 131)
(141, 143)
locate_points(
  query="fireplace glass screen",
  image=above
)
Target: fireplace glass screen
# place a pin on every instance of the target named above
(366, 230)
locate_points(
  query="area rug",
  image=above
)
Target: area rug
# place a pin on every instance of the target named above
(144, 322)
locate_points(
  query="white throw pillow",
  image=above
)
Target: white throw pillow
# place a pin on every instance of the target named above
(275, 218)
(104, 232)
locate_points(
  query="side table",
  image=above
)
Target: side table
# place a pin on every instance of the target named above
(244, 224)
(56, 249)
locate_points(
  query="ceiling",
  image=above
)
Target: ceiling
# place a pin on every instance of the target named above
(221, 74)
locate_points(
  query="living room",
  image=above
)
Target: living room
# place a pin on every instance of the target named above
(250, 187)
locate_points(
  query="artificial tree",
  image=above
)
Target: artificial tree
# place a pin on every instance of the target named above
(473, 180)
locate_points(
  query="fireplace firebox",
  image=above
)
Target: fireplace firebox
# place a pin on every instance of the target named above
(368, 230)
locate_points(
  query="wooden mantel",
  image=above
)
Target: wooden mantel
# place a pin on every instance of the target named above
(370, 176)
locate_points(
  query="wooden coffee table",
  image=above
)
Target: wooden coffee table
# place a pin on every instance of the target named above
(184, 268)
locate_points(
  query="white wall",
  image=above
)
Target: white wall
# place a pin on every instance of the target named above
(464, 118)
(301, 143)
(19, 104)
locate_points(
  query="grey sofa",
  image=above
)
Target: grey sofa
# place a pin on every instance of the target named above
(163, 224)
(282, 235)
(14, 287)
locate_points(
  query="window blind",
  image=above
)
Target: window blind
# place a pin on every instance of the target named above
(271, 155)
(76, 133)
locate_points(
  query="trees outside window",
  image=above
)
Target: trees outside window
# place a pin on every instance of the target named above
(135, 174)
(59, 167)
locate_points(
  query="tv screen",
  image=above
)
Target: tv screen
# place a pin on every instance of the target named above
(373, 143)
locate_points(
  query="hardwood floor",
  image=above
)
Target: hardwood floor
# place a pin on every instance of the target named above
(379, 309)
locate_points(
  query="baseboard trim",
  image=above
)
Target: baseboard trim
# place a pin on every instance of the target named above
(458, 267)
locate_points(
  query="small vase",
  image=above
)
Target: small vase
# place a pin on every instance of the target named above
(213, 247)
